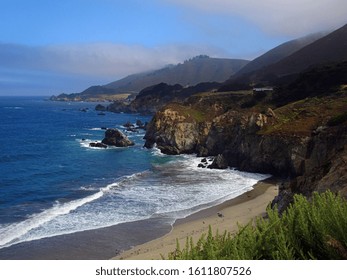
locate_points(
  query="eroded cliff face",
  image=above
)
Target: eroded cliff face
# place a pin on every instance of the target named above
(294, 143)
(325, 164)
(235, 136)
(174, 133)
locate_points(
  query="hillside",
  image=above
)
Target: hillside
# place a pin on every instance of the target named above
(319, 79)
(278, 53)
(153, 98)
(196, 70)
(328, 49)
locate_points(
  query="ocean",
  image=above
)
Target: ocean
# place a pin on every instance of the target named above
(53, 184)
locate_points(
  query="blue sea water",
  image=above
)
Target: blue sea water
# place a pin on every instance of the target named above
(53, 183)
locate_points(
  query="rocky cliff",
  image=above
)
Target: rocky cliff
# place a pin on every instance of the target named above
(303, 142)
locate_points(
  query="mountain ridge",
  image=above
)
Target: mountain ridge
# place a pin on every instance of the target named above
(199, 69)
(327, 49)
(281, 51)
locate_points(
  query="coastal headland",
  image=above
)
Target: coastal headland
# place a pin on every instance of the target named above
(287, 119)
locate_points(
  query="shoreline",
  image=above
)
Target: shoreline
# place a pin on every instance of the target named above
(239, 210)
(145, 239)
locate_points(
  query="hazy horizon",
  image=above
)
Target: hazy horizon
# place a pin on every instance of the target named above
(49, 48)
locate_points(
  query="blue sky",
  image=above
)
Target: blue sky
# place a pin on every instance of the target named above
(49, 47)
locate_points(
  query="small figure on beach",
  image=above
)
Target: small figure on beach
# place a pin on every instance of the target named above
(220, 215)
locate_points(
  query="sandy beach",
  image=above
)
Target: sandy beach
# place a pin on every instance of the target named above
(239, 210)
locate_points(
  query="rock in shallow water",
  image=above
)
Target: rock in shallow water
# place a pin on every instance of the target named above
(97, 145)
(219, 162)
(114, 137)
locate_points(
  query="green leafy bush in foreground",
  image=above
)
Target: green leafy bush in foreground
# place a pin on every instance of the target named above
(315, 229)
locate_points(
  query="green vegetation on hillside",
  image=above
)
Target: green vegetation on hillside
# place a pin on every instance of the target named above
(300, 118)
(318, 81)
(190, 114)
(338, 119)
(315, 229)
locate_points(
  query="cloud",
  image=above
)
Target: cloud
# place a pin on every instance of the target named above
(278, 17)
(105, 60)
(74, 67)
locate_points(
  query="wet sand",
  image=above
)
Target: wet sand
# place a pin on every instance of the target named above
(100, 244)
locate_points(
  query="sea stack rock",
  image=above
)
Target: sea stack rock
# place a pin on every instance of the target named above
(100, 107)
(219, 162)
(114, 137)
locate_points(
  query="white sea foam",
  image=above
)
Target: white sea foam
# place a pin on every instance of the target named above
(85, 143)
(157, 152)
(173, 190)
(88, 188)
(12, 233)
(198, 183)
(14, 107)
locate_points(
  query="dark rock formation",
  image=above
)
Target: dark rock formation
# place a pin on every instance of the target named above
(219, 162)
(84, 110)
(114, 137)
(141, 125)
(119, 106)
(128, 125)
(135, 128)
(203, 163)
(100, 107)
(97, 145)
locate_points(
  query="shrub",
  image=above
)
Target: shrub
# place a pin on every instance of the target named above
(337, 120)
(315, 229)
